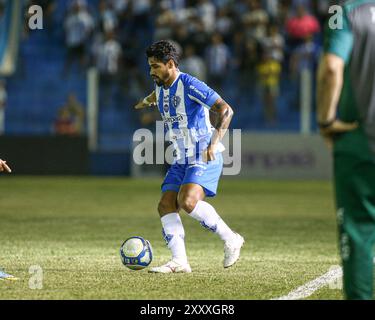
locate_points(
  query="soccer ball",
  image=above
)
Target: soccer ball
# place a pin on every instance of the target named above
(136, 253)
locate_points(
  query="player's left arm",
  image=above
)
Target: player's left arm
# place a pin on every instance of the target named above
(338, 49)
(221, 116)
(149, 101)
(4, 166)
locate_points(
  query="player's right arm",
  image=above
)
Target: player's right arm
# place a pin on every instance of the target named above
(338, 49)
(220, 113)
(4, 166)
(222, 117)
(149, 101)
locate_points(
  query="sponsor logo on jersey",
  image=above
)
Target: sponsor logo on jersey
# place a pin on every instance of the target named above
(200, 93)
(173, 119)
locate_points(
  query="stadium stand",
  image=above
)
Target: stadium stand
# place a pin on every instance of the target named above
(41, 83)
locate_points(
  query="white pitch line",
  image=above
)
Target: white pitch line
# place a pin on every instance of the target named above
(309, 288)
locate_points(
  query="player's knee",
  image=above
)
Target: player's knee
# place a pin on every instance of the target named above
(165, 207)
(187, 203)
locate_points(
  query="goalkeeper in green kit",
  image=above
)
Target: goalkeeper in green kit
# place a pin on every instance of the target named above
(346, 116)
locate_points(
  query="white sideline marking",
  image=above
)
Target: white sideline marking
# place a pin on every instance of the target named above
(309, 288)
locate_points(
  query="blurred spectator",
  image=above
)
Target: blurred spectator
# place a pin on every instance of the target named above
(269, 71)
(181, 35)
(199, 37)
(217, 59)
(255, 20)
(284, 15)
(108, 61)
(273, 44)
(70, 119)
(119, 6)
(272, 8)
(245, 54)
(141, 8)
(180, 10)
(177, 6)
(224, 23)
(108, 55)
(305, 57)
(141, 16)
(207, 13)
(78, 26)
(3, 100)
(301, 26)
(193, 64)
(107, 17)
(246, 61)
(164, 24)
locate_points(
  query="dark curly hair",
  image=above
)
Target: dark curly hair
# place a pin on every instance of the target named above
(164, 51)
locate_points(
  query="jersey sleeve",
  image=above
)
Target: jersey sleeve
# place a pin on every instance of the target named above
(201, 93)
(339, 41)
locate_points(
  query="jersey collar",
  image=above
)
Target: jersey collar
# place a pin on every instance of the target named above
(178, 76)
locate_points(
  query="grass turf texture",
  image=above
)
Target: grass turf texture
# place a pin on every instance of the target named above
(73, 229)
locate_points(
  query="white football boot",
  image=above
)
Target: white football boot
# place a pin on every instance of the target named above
(171, 267)
(5, 276)
(232, 250)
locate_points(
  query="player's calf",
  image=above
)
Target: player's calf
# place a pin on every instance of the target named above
(168, 203)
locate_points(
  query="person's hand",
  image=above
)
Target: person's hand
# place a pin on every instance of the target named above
(4, 166)
(149, 101)
(209, 153)
(337, 126)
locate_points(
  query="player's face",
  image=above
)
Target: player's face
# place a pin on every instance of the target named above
(159, 71)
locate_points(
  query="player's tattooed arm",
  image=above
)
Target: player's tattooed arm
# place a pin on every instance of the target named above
(149, 101)
(221, 115)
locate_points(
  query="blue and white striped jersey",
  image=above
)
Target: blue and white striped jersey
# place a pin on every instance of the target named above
(184, 107)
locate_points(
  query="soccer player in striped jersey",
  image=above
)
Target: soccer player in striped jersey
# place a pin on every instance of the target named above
(186, 105)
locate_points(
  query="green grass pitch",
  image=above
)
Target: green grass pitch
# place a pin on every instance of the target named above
(73, 228)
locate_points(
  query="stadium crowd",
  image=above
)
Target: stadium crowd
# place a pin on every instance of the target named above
(255, 41)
